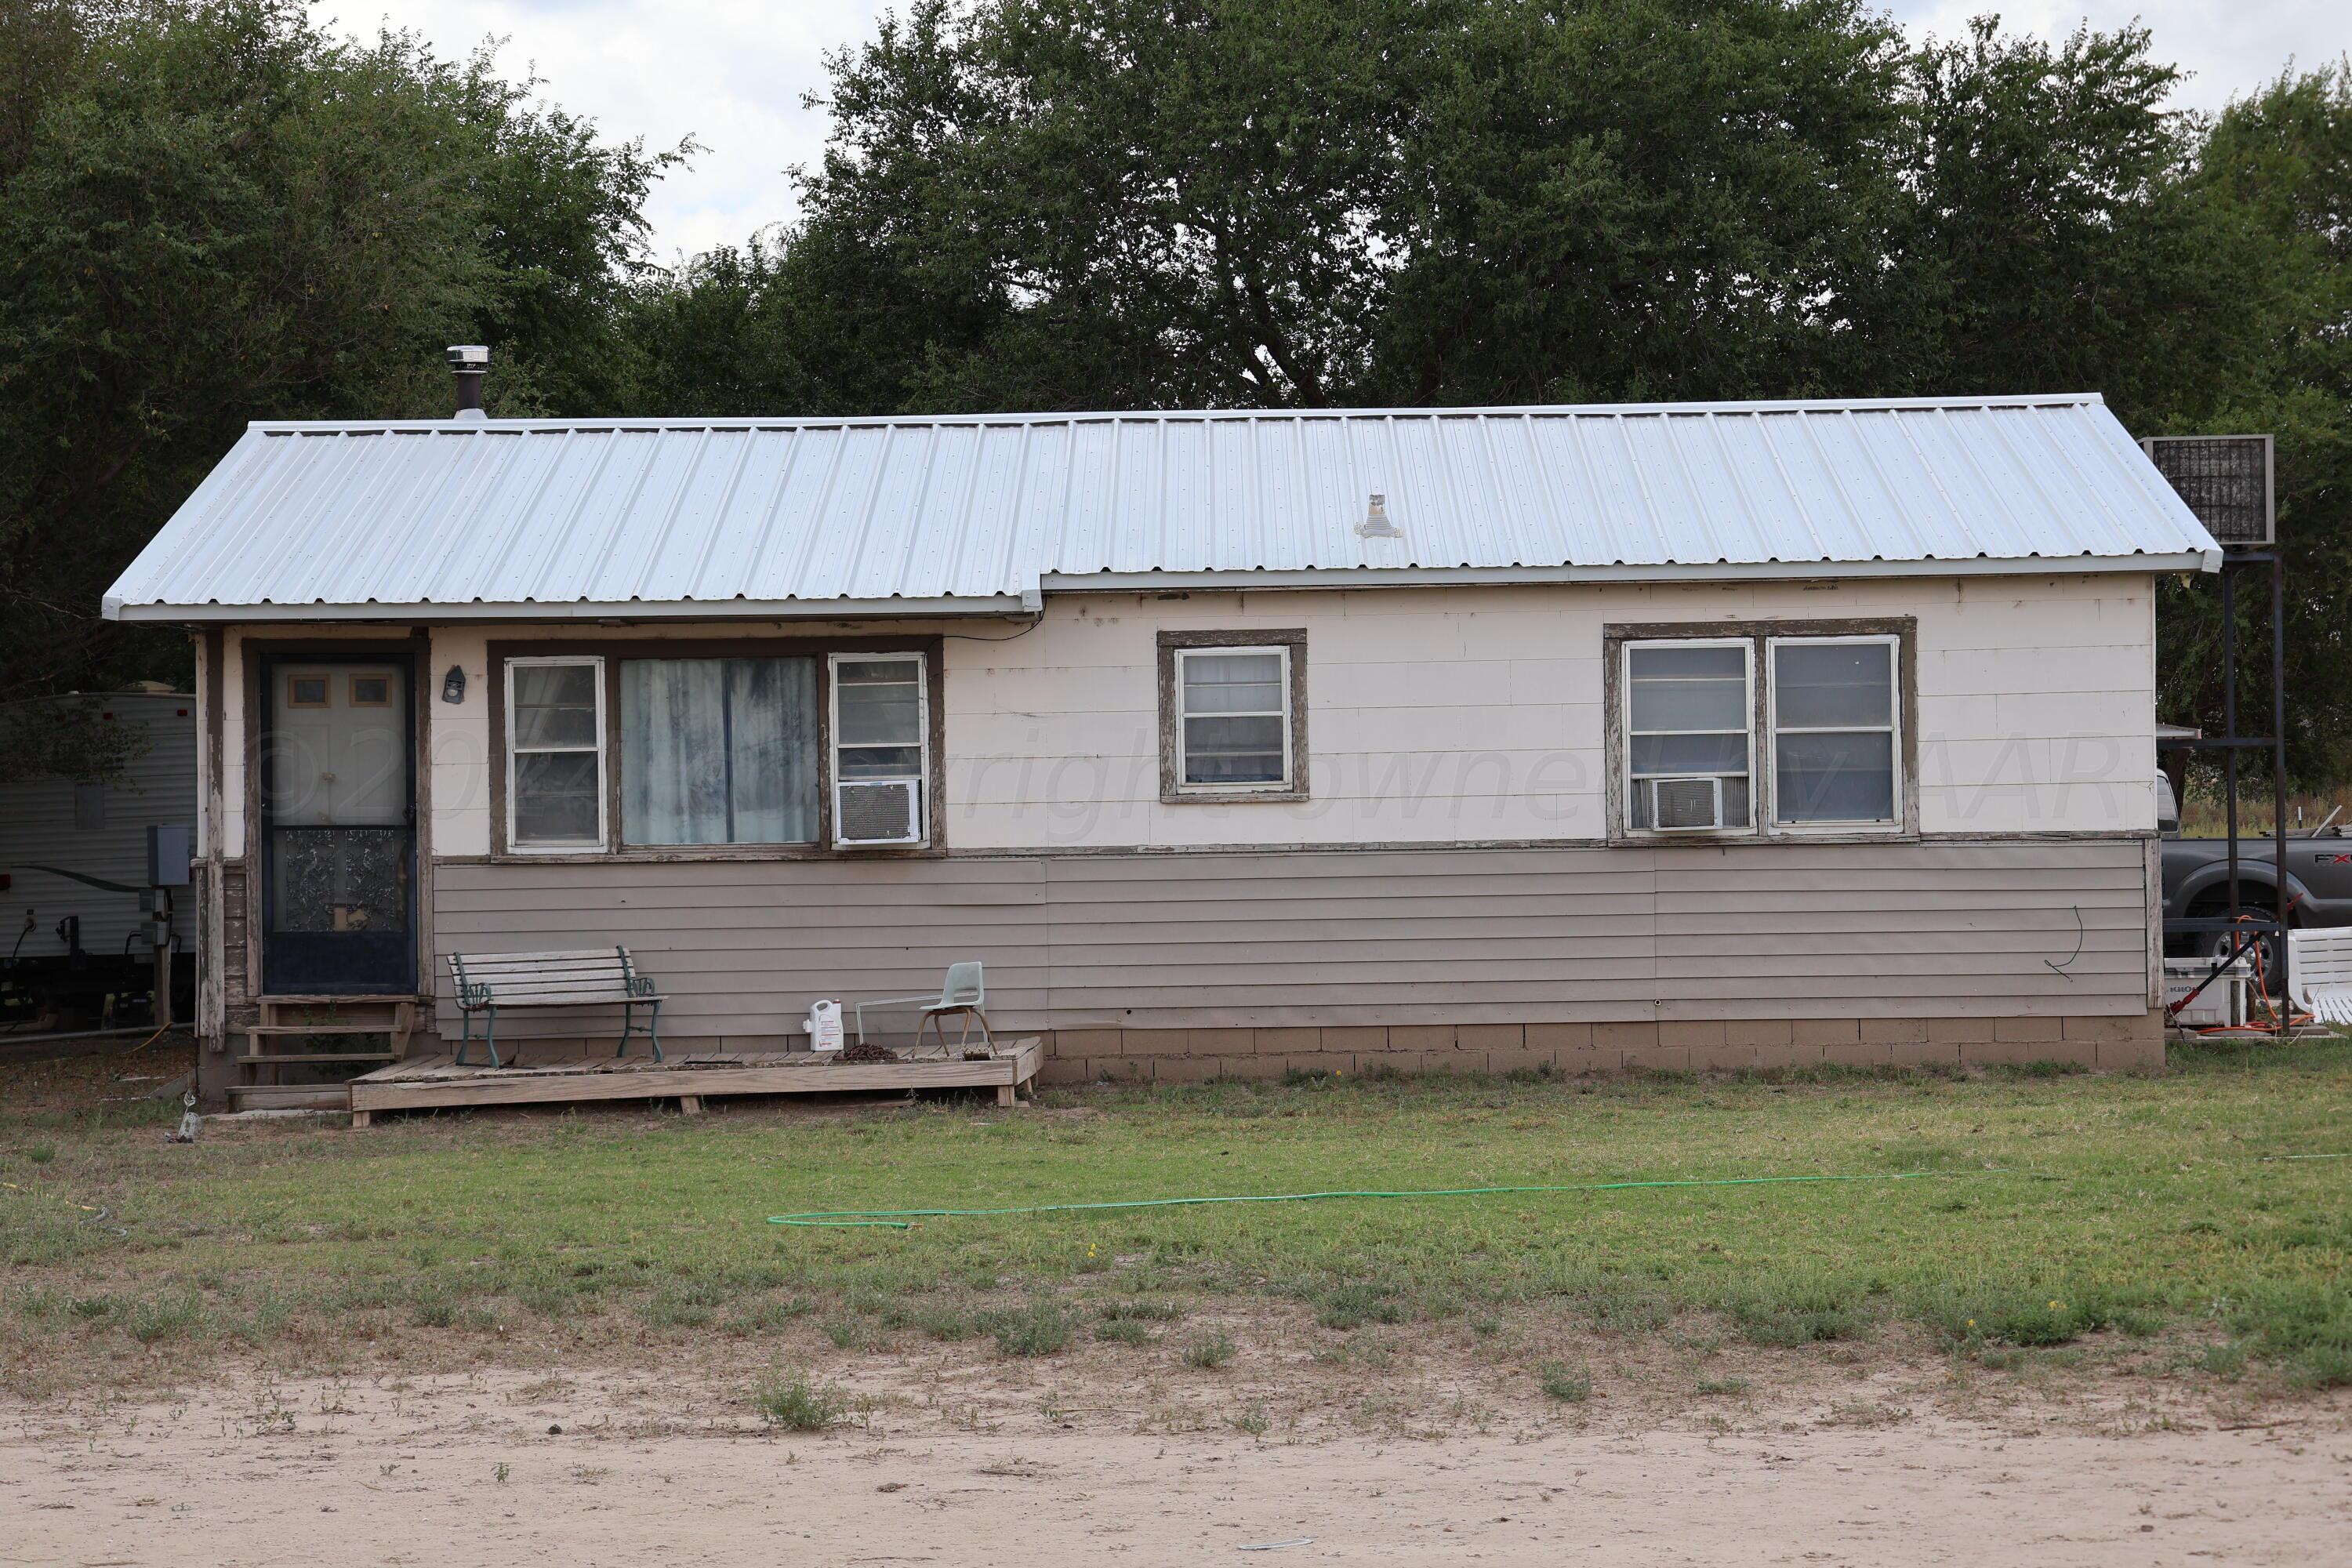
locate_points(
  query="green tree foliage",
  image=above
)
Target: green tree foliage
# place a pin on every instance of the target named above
(213, 212)
(1054, 204)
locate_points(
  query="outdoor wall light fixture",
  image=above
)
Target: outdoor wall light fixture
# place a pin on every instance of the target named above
(453, 685)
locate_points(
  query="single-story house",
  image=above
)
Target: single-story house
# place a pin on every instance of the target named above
(1232, 742)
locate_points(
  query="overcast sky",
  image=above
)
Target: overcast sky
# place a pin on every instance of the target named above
(731, 73)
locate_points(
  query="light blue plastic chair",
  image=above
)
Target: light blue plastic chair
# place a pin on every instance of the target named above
(965, 993)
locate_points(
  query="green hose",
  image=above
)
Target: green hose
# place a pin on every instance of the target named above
(907, 1219)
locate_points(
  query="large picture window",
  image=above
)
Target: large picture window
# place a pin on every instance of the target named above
(1776, 730)
(555, 754)
(718, 750)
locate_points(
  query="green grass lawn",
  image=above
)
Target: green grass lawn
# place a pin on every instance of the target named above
(2058, 1205)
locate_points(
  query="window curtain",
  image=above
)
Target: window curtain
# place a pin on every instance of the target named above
(718, 750)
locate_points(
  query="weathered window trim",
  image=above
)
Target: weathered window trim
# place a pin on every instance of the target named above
(1905, 632)
(1174, 790)
(613, 650)
(1769, 742)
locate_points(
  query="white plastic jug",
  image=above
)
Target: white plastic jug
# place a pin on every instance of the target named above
(823, 1026)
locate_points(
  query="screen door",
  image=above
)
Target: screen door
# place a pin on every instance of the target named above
(339, 827)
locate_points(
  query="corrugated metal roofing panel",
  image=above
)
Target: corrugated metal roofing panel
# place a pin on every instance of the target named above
(975, 514)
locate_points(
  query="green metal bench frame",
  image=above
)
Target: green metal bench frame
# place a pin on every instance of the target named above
(586, 977)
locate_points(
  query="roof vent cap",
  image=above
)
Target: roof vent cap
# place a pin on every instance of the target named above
(468, 363)
(1375, 524)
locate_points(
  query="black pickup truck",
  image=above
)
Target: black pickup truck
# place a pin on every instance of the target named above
(2197, 879)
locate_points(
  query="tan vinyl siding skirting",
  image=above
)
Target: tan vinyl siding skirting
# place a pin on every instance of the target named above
(1269, 955)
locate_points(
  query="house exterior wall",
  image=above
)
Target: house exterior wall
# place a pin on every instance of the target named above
(1451, 872)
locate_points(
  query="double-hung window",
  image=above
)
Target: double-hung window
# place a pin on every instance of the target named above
(555, 754)
(1772, 733)
(1233, 720)
(880, 720)
(1690, 752)
(1836, 735)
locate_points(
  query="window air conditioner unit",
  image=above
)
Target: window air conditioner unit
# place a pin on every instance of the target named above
(877, 811)
(1686, 806)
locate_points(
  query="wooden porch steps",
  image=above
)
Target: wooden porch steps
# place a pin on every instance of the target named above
(330, 1017)
(284, 1058)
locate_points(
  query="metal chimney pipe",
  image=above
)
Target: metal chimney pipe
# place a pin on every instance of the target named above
(470, 363)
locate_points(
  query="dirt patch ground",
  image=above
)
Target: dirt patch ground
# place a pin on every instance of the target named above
(953, 1459)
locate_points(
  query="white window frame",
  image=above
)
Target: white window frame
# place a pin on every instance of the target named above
(921, 776)
(515, 750)
(1894, 729)
(1757, 804)
(1286, 784)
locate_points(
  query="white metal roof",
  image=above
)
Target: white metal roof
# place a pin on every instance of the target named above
(982, 514)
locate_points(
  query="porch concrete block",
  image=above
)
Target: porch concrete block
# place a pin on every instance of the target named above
(1287, 1041)
(1770, 1058)
(2122, 1056)
(1361, 1038)
(1152, 1044)
(1490, 1036)
(1625, 1038)
(1868, 1053)
(1882, 1031)
(1432, 1063)
(1659, 1058)
(1561, 1036)
(1691, 1032)
(2120, 1028)
(1927, 1053)
(1959, 1031)
(1825, 1031)
(1083, 1043)
(2005, 1030)
(1589, 1061)
(1320, 1061)
(1421, 1037)
(1522, 1058)
(1118, 1069)
(2018, 1053)
(1761, 1033)
(1721, 1058)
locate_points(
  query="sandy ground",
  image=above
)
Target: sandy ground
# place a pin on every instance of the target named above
(505, 1467)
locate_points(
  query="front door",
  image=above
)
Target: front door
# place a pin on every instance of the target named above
(338, 827)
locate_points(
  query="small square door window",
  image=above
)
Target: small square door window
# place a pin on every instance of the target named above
(371, 691)
(306, 692)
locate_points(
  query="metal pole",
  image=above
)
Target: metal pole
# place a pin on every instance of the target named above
(2230, 728)
(2278, 757)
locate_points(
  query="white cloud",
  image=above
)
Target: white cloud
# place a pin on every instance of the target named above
(732, 73)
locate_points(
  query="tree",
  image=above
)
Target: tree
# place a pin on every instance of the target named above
(213, 213)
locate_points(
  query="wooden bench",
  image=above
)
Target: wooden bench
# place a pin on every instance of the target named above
(588, 977)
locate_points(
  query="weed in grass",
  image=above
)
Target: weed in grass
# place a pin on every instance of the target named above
(1252, 1419)
(1040, 1327)
(1352, 1305)
(1723, 1387)
(767, 1315)
(88, 1308)
(2015, 1315)
(1799, 1315)
(851, 1333)
(41, 1153)
(1141, 1311)
(796, 1404)
(500, 1471)
(170, 1317)
(1486, 1328)
(434, 1309)
(1569, 1385)
(1209, 1351)
(690, 1304)
(1122, 1332)
(2304, 1324)
(946, 1323)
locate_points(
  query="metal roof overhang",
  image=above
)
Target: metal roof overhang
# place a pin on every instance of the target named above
(1000, 606)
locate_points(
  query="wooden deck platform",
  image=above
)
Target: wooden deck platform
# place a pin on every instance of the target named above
(429, 1081)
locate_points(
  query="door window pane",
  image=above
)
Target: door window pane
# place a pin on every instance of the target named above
(718, 750)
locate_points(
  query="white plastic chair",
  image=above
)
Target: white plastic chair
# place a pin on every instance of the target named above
(964, 993)
(2319, 973)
